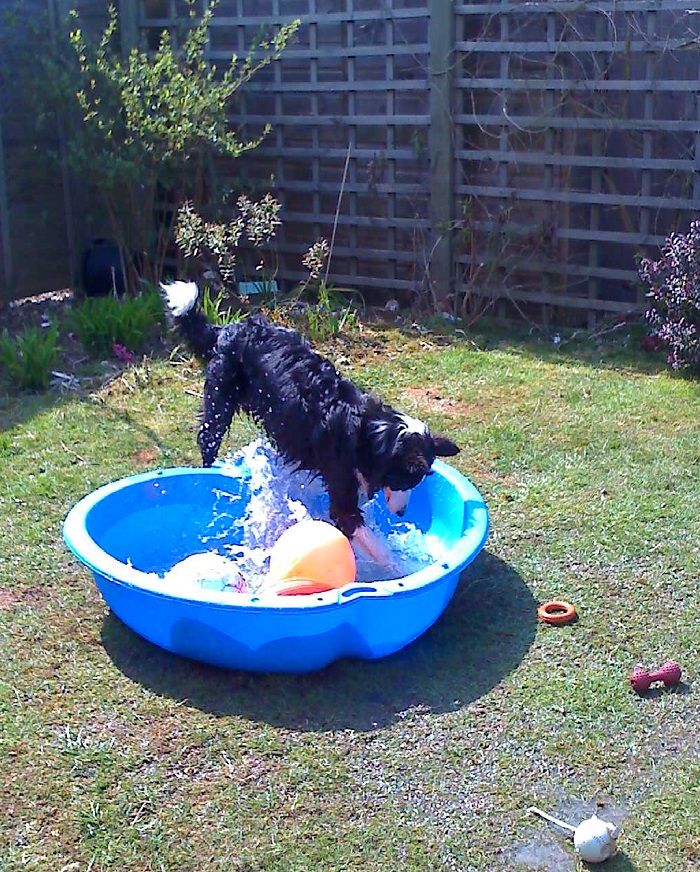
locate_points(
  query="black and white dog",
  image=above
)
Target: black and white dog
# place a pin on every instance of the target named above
(316, 419)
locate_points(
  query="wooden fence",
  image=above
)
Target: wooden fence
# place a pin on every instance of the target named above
(577, 145)
(504, 156)
(33, 227)
(44, 222)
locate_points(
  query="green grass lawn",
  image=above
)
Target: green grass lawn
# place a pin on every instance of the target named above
(118, 756)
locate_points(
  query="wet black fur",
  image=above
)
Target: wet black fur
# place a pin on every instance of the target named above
(316, 419)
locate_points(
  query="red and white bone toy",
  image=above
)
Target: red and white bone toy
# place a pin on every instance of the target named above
(669, 673)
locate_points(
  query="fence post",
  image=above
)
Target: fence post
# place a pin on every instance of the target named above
(57, 13)
(441, 145)
(128, 25)
(8, 276)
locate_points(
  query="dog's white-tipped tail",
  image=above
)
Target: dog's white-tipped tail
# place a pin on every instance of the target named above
(180, 297)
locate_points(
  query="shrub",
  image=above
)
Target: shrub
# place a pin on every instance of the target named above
(29, 356)
(216, 245)
(216, 248)
(152, 123)
(673, 284)
(328, 312)
(330, 315)
(103, 322)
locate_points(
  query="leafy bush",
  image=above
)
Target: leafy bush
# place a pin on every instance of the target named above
(330, 315)
(29, 356)
(215, 245)
(152, 122)
(103, 322)
(673, 284)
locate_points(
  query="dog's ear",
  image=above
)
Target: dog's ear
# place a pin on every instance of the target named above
(444, 447)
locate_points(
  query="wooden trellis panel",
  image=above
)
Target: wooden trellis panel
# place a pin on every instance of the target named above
(525, 152)
(578, 145)
(354, 82)
(34, 242)
(504, 151)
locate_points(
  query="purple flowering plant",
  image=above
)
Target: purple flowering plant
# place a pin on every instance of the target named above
(122, 353)
(673, 289)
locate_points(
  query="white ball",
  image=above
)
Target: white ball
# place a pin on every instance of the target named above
(595, 840)
(207, 570)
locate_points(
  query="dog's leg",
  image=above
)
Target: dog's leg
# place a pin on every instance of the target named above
(346, 515)
(372, 546)
(217, 420)
(220, 404)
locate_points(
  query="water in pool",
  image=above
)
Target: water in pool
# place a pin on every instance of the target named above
(280, 497)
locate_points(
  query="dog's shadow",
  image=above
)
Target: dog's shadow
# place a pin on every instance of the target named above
(481, 637)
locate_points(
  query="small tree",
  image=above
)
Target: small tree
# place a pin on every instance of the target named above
(152, 124)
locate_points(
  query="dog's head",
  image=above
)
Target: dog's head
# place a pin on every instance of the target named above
(398, 454)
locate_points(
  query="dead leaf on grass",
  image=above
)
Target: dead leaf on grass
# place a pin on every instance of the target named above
(147, 456)
(437, 402)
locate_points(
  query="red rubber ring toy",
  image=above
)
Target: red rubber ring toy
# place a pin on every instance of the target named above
(556, 612)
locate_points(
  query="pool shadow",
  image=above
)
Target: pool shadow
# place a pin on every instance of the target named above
(481, 637)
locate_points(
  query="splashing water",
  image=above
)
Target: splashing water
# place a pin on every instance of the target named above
(280, 496)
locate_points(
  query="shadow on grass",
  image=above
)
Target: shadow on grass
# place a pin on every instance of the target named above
(619, 863)
(482, 636)
(547, 855)
(17, 409)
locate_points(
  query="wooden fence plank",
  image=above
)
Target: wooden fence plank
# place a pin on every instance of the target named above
(555, 139)
(535, 8)
(7, 270)
(442, 37)
(576, 86)
(583, 46)
(540, 158)
(533, 123)
(584, 197)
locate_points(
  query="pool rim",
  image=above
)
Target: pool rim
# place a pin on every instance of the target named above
(100, 562)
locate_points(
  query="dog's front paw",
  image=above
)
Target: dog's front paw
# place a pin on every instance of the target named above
(372, 547)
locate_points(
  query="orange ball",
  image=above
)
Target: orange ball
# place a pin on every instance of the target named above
(310, 557)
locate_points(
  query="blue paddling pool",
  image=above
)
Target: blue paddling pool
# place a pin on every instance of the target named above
(132, 532)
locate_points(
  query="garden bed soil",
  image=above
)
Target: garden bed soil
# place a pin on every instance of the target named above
(36, 311)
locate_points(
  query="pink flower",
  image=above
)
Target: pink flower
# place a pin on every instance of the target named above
(123, 354)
